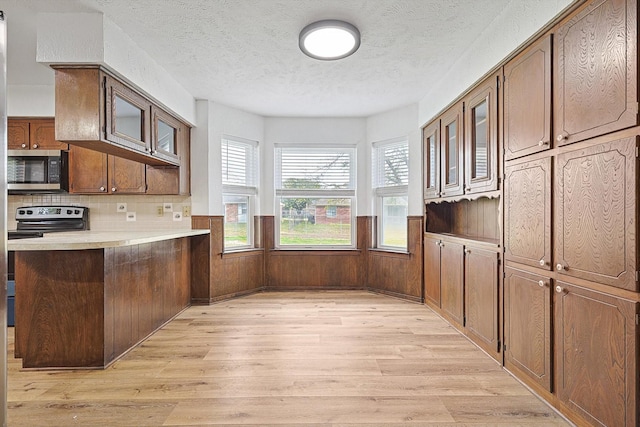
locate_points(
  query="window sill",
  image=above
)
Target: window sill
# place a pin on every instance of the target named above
(399, 253)
(241, 252)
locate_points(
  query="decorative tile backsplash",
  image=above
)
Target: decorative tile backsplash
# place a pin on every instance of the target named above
(116, 212)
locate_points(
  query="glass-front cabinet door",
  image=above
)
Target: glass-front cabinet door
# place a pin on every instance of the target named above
(481, 137)
(127, 116)
(451, 152)
(431, 157)
(166, 134)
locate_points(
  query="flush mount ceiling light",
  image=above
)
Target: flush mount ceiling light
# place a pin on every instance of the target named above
(329, 39)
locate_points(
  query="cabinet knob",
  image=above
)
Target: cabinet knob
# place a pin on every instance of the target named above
(560, 267)
(541, 283)
(559, 289)
(467, 251)
(102, 189)
(542, 262)
(34, 146)
(442, 193)
(23, 145)
(468, 189)
(542, 143)
(438, 243)
(147, 149)
(561, 137)
(113, 189)
(441, 245)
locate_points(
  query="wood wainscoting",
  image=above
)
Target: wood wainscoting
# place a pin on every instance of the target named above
(218, 276)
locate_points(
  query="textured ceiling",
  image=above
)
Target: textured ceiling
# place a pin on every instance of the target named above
(244, 53)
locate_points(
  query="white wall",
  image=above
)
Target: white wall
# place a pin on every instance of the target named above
(213, 122)
(31, 100)
(399, 123)
(501, 37)
(348, 131)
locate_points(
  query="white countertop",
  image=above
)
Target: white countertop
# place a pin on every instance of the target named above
(78, 240)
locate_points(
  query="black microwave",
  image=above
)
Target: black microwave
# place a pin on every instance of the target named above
(37, 171)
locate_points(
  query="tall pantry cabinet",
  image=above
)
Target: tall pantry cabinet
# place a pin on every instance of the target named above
(571, 140)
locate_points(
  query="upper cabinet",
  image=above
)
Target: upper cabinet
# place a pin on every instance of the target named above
(527, 101)
(33, 134)
(595, 71)
(451, 155)
(481, 137)
(431, 157)
(96, 110)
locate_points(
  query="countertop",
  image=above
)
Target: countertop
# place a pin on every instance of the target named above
(79, 240)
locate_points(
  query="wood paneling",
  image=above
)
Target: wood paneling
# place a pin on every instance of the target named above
(527, 310)
(527, 101)
(595, 71)
(595, 213)
(596, 338)
(527, 213)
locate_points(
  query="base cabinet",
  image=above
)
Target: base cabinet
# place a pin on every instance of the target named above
(596, 341)
(452, 281)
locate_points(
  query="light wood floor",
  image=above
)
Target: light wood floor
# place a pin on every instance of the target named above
(314, 359)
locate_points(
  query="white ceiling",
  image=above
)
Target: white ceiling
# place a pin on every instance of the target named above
(244, 53)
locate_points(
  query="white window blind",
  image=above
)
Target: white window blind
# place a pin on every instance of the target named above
(391, 164)
(302, 168)
(239, 162)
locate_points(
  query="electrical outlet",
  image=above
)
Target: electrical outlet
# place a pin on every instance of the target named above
(186, 211)
(131, 216)
(168, 207)
(121, 207)
(177, 216)
(159, 211)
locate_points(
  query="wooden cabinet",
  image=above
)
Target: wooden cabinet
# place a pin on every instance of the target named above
(92, 172)
(596, 213)
(481, 137)
(527, 326)
(32, 134)
(527, 101)
(452, 281)
(482, 299)
(96, 110)
(451, 152)
(595, 71)
(596, 341)
(432, 271)
(527, 213)
(431, 160)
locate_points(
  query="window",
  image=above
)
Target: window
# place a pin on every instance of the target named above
(315, 193)
(239, 189)
(390, 183)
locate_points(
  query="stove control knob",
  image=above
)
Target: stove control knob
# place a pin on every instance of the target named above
(68, 211)
(21, 212)
(77, 212)
(29, 212)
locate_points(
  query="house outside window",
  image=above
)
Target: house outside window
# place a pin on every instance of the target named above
(391, 187)
(315, 196)
(239, 190)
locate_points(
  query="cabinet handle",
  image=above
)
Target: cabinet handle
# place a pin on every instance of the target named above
(467, 189)
(562, 137)
(560, 267)
(23, 145)
(542, 262)
(442, 193)
(559, 289)
(102, 189)
(438, 243)
(467, 251)
(113, 189)
(35, 145)
(541, 283)
(542, 143)
(441, 245)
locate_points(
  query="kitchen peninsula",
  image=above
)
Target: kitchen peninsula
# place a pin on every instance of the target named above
(84, 299)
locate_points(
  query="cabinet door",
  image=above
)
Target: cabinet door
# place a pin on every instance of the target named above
(527, 213)
(527, 325)
(87, 171)
(42, 135)
(128, 117)
(17, 134)
(482, 298)
(481, 137)
(126, 176)
(527, 101)
(165, 136)
(431, 157)
(432, 271)
(451, 146)
(595, 213)
(596, 341)
(451, 281)
(595, 72)
(163, 179)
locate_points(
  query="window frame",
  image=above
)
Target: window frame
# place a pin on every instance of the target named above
(380, 191)
(283, 193)
(249, 190)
